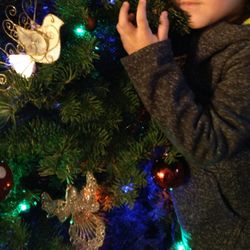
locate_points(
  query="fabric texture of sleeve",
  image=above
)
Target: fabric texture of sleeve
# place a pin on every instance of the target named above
(203, 135)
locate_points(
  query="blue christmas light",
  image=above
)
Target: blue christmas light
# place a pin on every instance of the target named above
(4, 58)
(111, 39)
(56, 105)
(112, 1)
(128, 188)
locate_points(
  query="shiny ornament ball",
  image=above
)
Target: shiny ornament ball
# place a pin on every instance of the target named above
(6, 180)
(91, 24)
(170, 175)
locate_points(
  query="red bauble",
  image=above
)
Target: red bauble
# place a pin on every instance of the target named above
(91, 24)
(6, 180)
(170, 175)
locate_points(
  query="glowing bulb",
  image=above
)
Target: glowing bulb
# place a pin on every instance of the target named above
(128, 188)
(22, 64)
(23, 206)
(80, 31)
(160, 175)
(111, 1)
(180, 246)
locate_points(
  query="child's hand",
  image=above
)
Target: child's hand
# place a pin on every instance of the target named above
(135, 38)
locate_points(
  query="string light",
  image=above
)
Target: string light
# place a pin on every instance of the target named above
(24, 206)
(179, 246)
(128, 188)
(112, 1)
(80, 30)
(161, 175)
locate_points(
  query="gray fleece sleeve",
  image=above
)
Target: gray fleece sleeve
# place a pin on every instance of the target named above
(205, 135)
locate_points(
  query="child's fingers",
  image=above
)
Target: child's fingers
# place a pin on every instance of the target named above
(163, 27)
(124, 24)
(141, 14)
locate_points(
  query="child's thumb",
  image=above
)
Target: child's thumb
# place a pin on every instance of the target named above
(163, 27)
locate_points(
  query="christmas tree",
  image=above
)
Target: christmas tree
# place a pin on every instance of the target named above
(82, 164)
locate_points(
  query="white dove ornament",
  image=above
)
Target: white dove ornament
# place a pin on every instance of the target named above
(42, 43)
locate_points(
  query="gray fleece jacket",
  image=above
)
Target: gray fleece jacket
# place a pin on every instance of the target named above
(202, 102)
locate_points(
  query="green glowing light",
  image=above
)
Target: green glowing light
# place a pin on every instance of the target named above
(80, 31)
(184, 243)
(179, 246)
(24, 206)
(186, 237)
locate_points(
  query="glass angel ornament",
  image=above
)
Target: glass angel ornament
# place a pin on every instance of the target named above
(87, 230)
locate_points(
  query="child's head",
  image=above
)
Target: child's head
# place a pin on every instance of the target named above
(207, 12)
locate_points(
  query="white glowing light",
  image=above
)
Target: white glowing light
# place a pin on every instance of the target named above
(22, 64)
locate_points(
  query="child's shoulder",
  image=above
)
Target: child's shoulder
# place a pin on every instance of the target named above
(222, 36)
(236, 35)
(243, 28)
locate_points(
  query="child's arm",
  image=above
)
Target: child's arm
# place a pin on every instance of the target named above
(203, 134)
